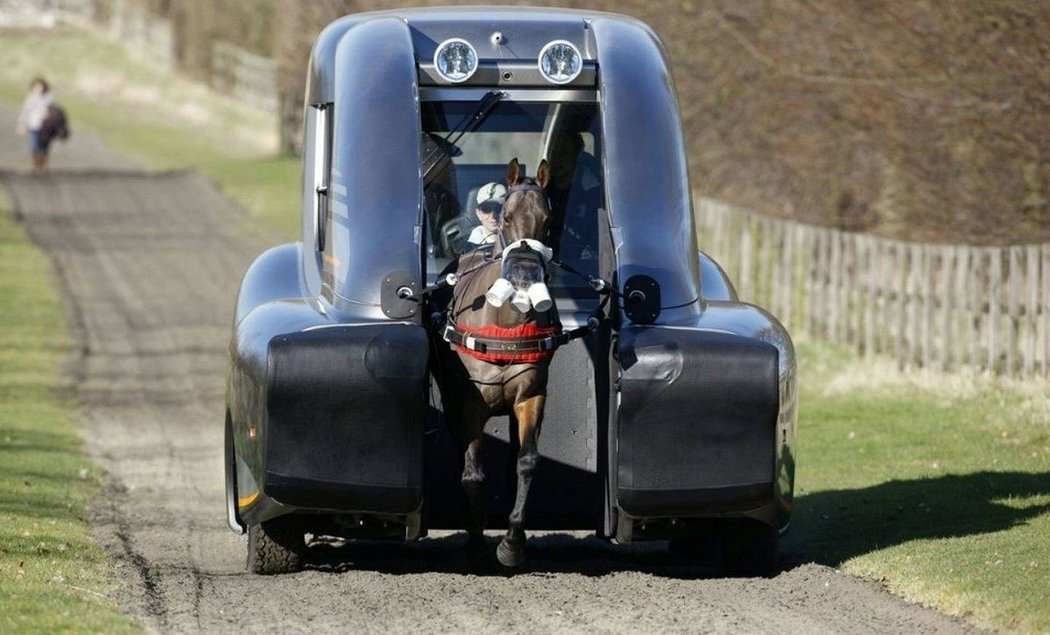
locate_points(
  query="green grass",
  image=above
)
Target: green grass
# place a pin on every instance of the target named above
(53, 577)
(936, 485)
(268, 188)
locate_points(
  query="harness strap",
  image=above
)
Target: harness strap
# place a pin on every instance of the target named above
(545, 252)
(527, 343)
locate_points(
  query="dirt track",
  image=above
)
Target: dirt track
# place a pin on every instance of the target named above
(150, 265)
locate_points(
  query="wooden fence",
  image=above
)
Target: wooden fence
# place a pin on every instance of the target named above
(248, 77)
(231, 70)
(927, 305)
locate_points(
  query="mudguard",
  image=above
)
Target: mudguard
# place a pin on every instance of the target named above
(345, 418)
(697, 424)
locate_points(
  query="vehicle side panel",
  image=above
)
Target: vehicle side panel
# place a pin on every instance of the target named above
(647, 179)
(376, 190)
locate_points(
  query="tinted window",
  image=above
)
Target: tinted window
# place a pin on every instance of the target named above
(567, 135)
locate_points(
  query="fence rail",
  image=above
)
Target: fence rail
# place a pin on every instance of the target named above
(244, 75)
(927, 305)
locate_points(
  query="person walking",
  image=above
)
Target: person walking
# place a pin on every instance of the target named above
(31, 119)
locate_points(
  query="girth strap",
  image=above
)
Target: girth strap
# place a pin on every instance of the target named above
(527, 343)
(524, 344)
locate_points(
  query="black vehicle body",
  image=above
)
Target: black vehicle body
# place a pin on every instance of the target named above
(682, 406)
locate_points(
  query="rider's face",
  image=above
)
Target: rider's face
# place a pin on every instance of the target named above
(489, 220)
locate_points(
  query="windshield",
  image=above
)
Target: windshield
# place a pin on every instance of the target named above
(566, 134)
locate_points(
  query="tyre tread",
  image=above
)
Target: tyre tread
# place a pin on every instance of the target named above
(275, 546)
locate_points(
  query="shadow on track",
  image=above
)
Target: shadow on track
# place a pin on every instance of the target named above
(547, 554)
(834, 526)
(829, 528)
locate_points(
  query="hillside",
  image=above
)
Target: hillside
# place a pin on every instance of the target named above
(921, 120)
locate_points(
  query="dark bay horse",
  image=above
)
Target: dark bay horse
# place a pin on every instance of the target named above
(500, 324)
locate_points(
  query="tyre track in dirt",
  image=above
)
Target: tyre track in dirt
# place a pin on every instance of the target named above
(149, 265)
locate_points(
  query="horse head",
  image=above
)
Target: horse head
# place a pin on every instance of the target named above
(523, 228)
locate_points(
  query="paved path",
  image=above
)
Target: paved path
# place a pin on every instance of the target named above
(149, 264)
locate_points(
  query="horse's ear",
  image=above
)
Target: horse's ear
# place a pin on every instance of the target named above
(543, 173)
(513, 172)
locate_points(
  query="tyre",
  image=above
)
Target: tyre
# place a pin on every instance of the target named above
(276, 546)
(750, 548)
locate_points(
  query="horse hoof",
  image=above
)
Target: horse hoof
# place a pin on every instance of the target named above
(510, 555)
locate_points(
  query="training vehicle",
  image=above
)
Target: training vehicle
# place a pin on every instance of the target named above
(669, 405)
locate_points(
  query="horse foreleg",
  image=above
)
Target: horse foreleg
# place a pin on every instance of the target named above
(473, 481)
(529, 413)
(473, 477)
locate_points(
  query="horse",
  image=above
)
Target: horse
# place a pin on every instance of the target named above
(500, 325)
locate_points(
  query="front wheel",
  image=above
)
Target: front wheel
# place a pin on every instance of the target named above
(276, 546)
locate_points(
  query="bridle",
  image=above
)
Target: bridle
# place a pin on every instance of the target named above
(525, 186)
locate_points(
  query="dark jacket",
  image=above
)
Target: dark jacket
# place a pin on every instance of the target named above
(55, 125)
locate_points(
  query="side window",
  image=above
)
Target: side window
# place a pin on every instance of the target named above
(322, 167)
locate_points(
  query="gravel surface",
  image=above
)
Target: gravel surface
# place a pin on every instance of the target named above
(150, 264)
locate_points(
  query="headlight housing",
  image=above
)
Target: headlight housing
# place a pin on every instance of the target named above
(455, 60)
(560, 62)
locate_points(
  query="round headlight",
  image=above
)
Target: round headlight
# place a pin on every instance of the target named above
(560, 62)
(455, 60)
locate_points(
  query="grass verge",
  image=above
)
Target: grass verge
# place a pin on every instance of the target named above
(53, 577)
(937, 485)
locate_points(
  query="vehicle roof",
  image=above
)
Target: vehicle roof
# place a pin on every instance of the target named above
(526, 31)
(529, 27)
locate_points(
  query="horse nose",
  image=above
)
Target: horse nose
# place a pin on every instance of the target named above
(522, 272)
(521, 301)
(540, 297)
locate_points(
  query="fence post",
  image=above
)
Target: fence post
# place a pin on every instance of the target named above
(995, 275)
(1013, 291)
(768, 234)
(926, 254)
(870, 296)
(787, 274)
(1031, 308)
(853, 289)
(823, 278)
(1046, 309)
(903, 286)
(746, 288)
(834, 277)
(962, 270)
(947, 279)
